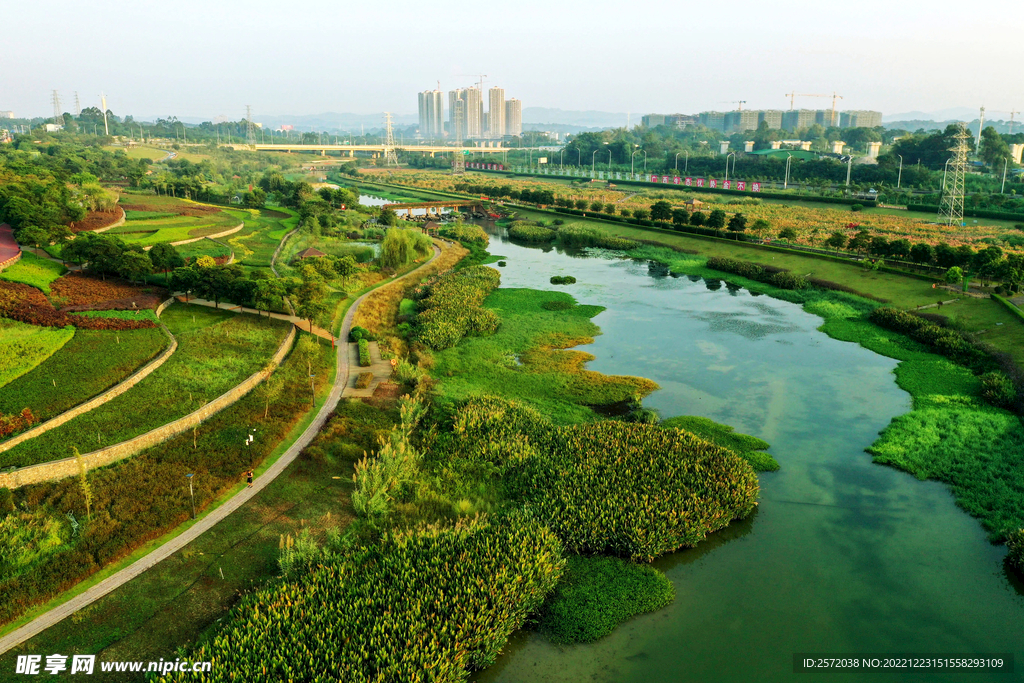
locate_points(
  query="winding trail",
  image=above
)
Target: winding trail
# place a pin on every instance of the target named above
(57, 614)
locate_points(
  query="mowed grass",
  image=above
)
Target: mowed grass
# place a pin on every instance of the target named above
(216, 351)
(87, 365)
(22, 348)
(528, 359)
(997, 325)
(34, 271)
(255, 244)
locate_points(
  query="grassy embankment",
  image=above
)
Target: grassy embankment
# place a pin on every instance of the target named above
(34, 271)
(89, 363)
(154, 219)
(24, 347)
(216, 351)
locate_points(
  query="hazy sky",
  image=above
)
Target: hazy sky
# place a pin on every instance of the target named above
(210, 58)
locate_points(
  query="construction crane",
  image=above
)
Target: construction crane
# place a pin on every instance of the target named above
(1011, 112)
(480, 83)
(793, 95)
(739, 103)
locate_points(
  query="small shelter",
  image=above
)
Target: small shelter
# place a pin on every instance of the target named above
(694, 203)
(310, 253)
(431, 228)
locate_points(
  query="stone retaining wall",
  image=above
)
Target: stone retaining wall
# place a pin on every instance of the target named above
(11, 261)
(68, 467)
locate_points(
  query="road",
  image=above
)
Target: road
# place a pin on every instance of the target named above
(61, 612)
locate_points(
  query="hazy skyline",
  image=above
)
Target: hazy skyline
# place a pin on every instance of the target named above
(201, 59)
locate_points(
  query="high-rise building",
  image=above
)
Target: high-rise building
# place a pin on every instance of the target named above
(652, 120)
(513, 117)
(773, 117)
(860, 119)
(715, 120)
(457, 114)
(6, 114)
(496, 113)
(474, 113)
(740, 121)
(431, 114)
(795, 119)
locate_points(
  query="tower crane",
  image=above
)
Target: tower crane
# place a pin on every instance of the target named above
(739, 103)
(480, 83)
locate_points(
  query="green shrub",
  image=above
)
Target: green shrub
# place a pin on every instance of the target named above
(430, 604)
(363, 380)
(1015, 544)
(502, 264)
(596, 594)
(364, 353)
(750, 448)
(785, 280)
(998, 389)
(527, 232)
(465, 232)
(856, 207)
(450, 307)
(947, 342)
(357, 333)
(582, 235)
(633, 490)
(563, 280)
(743, 268)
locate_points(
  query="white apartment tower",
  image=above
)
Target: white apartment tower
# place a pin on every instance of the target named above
(496, 124)
(431, 114)
(513, 117)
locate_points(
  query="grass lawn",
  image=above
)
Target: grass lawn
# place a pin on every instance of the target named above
(87, 365)
(255, 244)
(528, 358)
(216, 351)
(33, 270)
(24, 347)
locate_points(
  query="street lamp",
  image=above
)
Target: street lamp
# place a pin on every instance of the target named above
(733, 155)
(789, 158)
(579, 162)
(677, 160)
(635, 152)
(593, 158)
(899, 178)
(190, 492)
(560, 153)
(609, 158)
(645, 159)
(1005, 162)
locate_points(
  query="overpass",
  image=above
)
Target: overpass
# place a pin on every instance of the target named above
(378, 149)
(433, 207)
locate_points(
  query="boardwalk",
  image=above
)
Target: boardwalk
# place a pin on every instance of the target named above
(57, 614)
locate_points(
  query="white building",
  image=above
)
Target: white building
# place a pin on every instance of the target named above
(496, 113)
(431, 114)
(513, 117)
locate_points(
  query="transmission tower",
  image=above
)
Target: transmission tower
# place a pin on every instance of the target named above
(250, 129)
(78, 106)
(389, 141)
(951, 210)
(58, 115)
(458, 116)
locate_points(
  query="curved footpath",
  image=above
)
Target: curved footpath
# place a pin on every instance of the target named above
(57, 614)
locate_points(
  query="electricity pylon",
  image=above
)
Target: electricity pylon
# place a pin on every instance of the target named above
(458, 116)
(250, 129)
(951, 210)
(389, 141)
(58, 115)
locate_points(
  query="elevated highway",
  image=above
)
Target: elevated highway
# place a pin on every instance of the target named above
(350, 150)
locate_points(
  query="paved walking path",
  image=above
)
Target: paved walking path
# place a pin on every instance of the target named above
(57, 614)
(299, 322)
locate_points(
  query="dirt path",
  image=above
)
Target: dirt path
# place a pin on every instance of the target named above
(57, 614)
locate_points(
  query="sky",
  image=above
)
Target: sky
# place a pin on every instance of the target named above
(211, 58)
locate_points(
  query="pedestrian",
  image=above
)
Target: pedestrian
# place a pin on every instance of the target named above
(248, 478)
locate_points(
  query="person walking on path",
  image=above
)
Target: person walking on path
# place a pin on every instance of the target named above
(248, 478)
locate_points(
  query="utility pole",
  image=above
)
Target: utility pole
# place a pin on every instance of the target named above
(78, 106)
(981, 126)
(103, 101)
(250, 130)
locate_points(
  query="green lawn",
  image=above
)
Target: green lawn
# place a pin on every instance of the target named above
(216, 351)
(87, 365)
(33, 270)
(24, 347)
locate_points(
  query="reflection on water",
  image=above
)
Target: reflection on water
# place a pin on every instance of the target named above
(843, 555)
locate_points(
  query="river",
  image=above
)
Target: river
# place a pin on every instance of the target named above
(842, 555)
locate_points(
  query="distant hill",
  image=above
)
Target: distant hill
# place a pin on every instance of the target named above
(587, 119)
(951, 114)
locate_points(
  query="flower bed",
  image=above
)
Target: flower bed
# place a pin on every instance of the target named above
(29, 305)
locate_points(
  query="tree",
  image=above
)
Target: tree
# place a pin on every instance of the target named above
(737, 224)
(345, 267)
(267, 293)
(641, 214)
(945, 255)
(609, 208)
(185, 279)
(994, 149)
(680, 217)
(860, 242)
(255, 199)
(388, 217)
(922, 253)
(697, 218)
(597, 206)
(879, 246)
(900, 249)
(717, 219)
(269, 390)
(165, 258)
(661, 211)
(836, 240)
(34, 235)
(310, 296)
(134, 265)
(788, 234)
(954, 275)
(581, 204)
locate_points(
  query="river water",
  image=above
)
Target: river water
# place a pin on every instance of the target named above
(842, 555)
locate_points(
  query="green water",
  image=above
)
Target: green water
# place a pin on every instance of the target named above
(842, 555)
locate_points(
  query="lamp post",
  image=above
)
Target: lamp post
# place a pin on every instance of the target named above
(733, 155)
(190, 492)
(631, 161)
(609, 158)
(579, 162)
(677, 160)
(899, 178)
(560, 153)
(1003, 187)
(789, 158)
(593, 158)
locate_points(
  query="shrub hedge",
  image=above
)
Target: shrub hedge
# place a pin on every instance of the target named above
(527, 232)
(425, 605)
(363, 380)
(777, 277)
(364, 353)
(563, 280)
(947, 342)
(465, 232)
